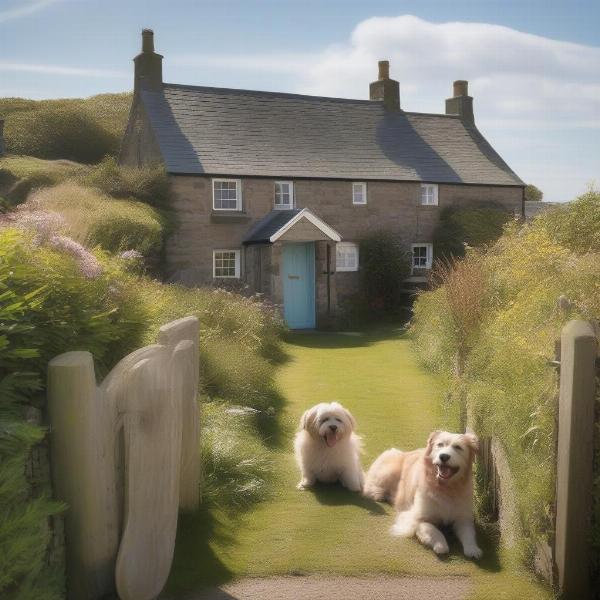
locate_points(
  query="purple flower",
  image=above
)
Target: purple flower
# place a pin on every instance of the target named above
(42, 223)
(131, 255)
(88, 263)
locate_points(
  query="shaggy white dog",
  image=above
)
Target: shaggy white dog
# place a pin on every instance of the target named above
(327, 449)
(430, 487)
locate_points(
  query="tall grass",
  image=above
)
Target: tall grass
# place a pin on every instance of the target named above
(83, 130)
(497, 313)
(95, 219)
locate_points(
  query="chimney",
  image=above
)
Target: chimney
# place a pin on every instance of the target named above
(385, 89)
(148, 65)
(461, 104)
(2, 146)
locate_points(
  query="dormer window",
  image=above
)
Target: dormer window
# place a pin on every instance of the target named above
(429, 194)
(227, 194)
(284, 195)
(359, 193)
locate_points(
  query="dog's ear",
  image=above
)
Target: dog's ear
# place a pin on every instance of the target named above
(307, 420)
(431, 439)
(351, 418)
(473, 442)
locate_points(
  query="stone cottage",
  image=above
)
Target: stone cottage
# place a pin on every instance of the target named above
(276, 190)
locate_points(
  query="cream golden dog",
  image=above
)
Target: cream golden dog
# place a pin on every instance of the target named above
(327, 449)
(430, 487)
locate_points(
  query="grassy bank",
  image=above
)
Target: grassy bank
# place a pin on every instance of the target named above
(329, 530)
(489, 329)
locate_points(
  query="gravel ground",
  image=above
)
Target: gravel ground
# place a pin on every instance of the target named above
(339, 588)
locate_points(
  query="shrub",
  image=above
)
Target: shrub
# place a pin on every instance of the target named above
(148, 184)
(79, 129)
(94, 219)
(385, 265)
(576, 225)
(460, 227)
(46, 307)
(506, 381)
(533, 193)
(58, 132)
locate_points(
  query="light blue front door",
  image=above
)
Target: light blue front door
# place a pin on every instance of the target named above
(299, 285)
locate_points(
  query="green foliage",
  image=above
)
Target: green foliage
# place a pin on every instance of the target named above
(576, 225)
(65, 132)
(384, 265)
(505, 379)
(460, 227)
(95, 219)
(236, 465)
(46, 307)
(148, 184)
(82, 130)
(533, 193)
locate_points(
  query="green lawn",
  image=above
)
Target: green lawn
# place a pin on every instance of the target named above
(330, 530)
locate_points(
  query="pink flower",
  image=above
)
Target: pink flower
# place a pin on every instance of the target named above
(88, 263)
(131, 255)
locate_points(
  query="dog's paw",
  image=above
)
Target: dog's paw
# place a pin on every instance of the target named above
(303, 485)
(473, 552)
(403, 528)
(441, 548)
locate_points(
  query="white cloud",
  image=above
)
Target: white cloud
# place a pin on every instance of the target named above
(24, 9)
(528, 89)
(60, 70)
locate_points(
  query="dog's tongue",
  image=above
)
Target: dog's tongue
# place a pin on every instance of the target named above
(445, 471)
(331, 439)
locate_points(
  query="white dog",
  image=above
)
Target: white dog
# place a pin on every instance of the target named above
(430, 487)
(327, 449)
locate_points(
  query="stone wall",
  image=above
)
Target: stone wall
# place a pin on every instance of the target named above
(390, 205)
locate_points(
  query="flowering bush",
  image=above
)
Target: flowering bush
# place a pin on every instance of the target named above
(505, 380)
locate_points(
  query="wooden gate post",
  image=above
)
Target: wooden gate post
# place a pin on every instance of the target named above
(579, 347)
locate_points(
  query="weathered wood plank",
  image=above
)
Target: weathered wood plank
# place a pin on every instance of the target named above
(78, 436)
(579, 347)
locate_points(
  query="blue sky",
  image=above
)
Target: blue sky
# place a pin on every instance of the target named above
(533, 65)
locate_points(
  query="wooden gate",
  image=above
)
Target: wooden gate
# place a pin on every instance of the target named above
(125, 458)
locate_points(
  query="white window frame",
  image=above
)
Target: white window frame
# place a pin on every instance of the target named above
(347, 245)
(237, 263)
(428, 256)
(291, 203)
(428, 199)
(363, 188)
(238, 193)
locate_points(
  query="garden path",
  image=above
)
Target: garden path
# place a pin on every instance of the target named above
(330, 532)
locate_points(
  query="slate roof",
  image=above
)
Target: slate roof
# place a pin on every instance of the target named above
(218, 131)
(268, 225)
(273, 222)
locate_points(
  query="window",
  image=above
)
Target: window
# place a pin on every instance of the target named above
(346, 256)
(359, 193)
(284, 194)
(429, 194)
(226, 264)
(227, 194)
(422, 255)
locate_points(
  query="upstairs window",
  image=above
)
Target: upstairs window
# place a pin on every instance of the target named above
(226, 264)
(422, 256)
(346, 256)
(227, 194)
(284, 194)
(359, 193)
(429, 194)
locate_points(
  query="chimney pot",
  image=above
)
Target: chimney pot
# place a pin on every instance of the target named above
(147, 41)
(384, 69)
(461, 88)
(461, 103)
(385, 89)
(148, 65)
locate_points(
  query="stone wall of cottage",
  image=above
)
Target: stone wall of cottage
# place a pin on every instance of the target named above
(390, 205)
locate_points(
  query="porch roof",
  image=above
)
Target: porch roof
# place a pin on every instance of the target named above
(276, 223)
